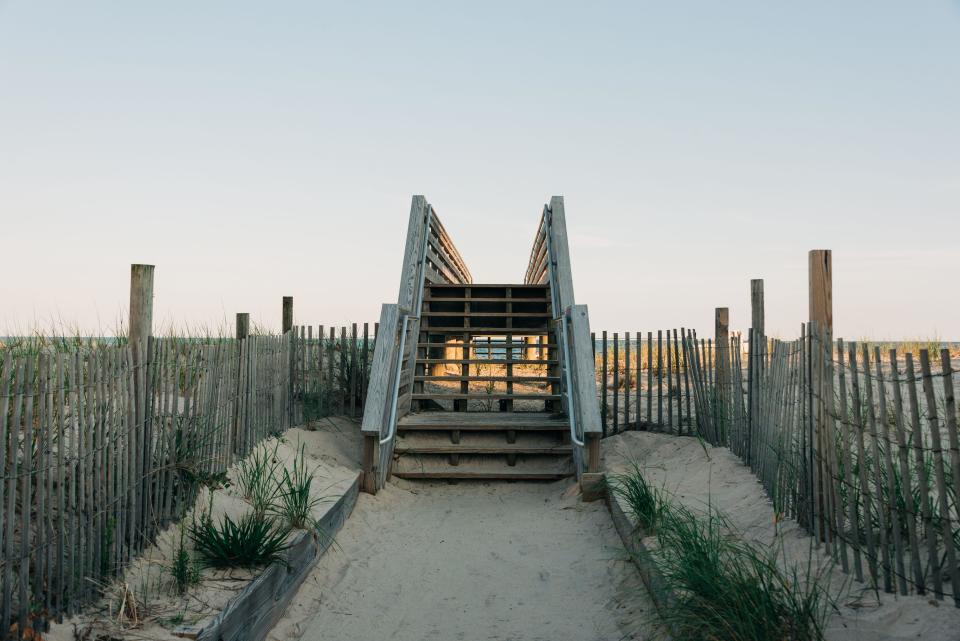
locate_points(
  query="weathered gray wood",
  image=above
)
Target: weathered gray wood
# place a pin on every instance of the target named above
(560, 250)
(287, 315)
(877, 479)
(890, 506)
(13, 458)
(905, 476)
(376, 411)
(947, 528)
(243, 325)
(584, 374)
(950, 421)
(862, 467)
(923, 480)
(412, 254)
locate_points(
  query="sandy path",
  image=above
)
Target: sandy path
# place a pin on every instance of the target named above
(472, 561)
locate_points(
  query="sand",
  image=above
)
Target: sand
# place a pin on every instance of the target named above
(332, 448)
(471, 561)
(696, 473)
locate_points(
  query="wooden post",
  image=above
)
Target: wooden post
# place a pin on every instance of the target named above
(243, 325)
(757, 341)
(821, 326)
(141, 306)
(821, 288)
(722, 368)
(287, 314)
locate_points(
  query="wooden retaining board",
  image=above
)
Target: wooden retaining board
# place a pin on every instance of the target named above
(641, 556)
(251, 615)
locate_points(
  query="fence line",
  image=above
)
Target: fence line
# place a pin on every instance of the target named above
(853, 444)
(645, 380)
(99, 453)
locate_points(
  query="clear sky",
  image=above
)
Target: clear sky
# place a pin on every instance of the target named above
(256, 149)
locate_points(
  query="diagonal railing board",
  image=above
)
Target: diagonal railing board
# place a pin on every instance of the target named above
(430, 256)
(376, 411)
(550, 264)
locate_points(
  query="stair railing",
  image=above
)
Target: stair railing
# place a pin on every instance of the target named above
(550, 264)
(398, 377)
(429, 256)
(575, 435)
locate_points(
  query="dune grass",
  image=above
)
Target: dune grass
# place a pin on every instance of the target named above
(722, 586)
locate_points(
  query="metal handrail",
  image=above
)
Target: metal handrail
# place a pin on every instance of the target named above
(396, 385)
(562, 319)
(565, 350)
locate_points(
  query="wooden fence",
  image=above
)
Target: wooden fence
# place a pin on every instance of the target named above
(859, 444)
(644, 380)
(332, 370)
(99, 452)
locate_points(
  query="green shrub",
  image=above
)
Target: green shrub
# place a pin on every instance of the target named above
(251, 541)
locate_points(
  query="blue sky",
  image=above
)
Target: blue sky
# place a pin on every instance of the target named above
(252, 150)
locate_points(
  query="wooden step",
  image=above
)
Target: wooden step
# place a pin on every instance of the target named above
(484, 467)
(488, 331)
(491, 379)
(433, 286)
(488, 314)
(466, 448)
(484, 421)
(455, 473)
(488, 361)
(482, 396)
(497, 344)
(483, 299)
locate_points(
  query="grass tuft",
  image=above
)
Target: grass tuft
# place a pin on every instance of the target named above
(257, 478)
(293, 502)
(252, 541)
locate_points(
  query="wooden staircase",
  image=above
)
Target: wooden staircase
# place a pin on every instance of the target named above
(486, 395)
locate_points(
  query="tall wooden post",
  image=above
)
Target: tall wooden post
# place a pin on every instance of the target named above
(722, 368)
(141, 307)
(140, 337)
(141, 330)
(243, 325)
(285, 327)
(287, 314)
(240, 407)
(757, 362)
(821, 287)
(820, 331)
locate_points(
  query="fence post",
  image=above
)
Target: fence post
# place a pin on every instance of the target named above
(243, 325)
(287, 326)
(722, 369)
(757, 338)
(243, 331)
(820, 328)
(141, 332)
(287, 314)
